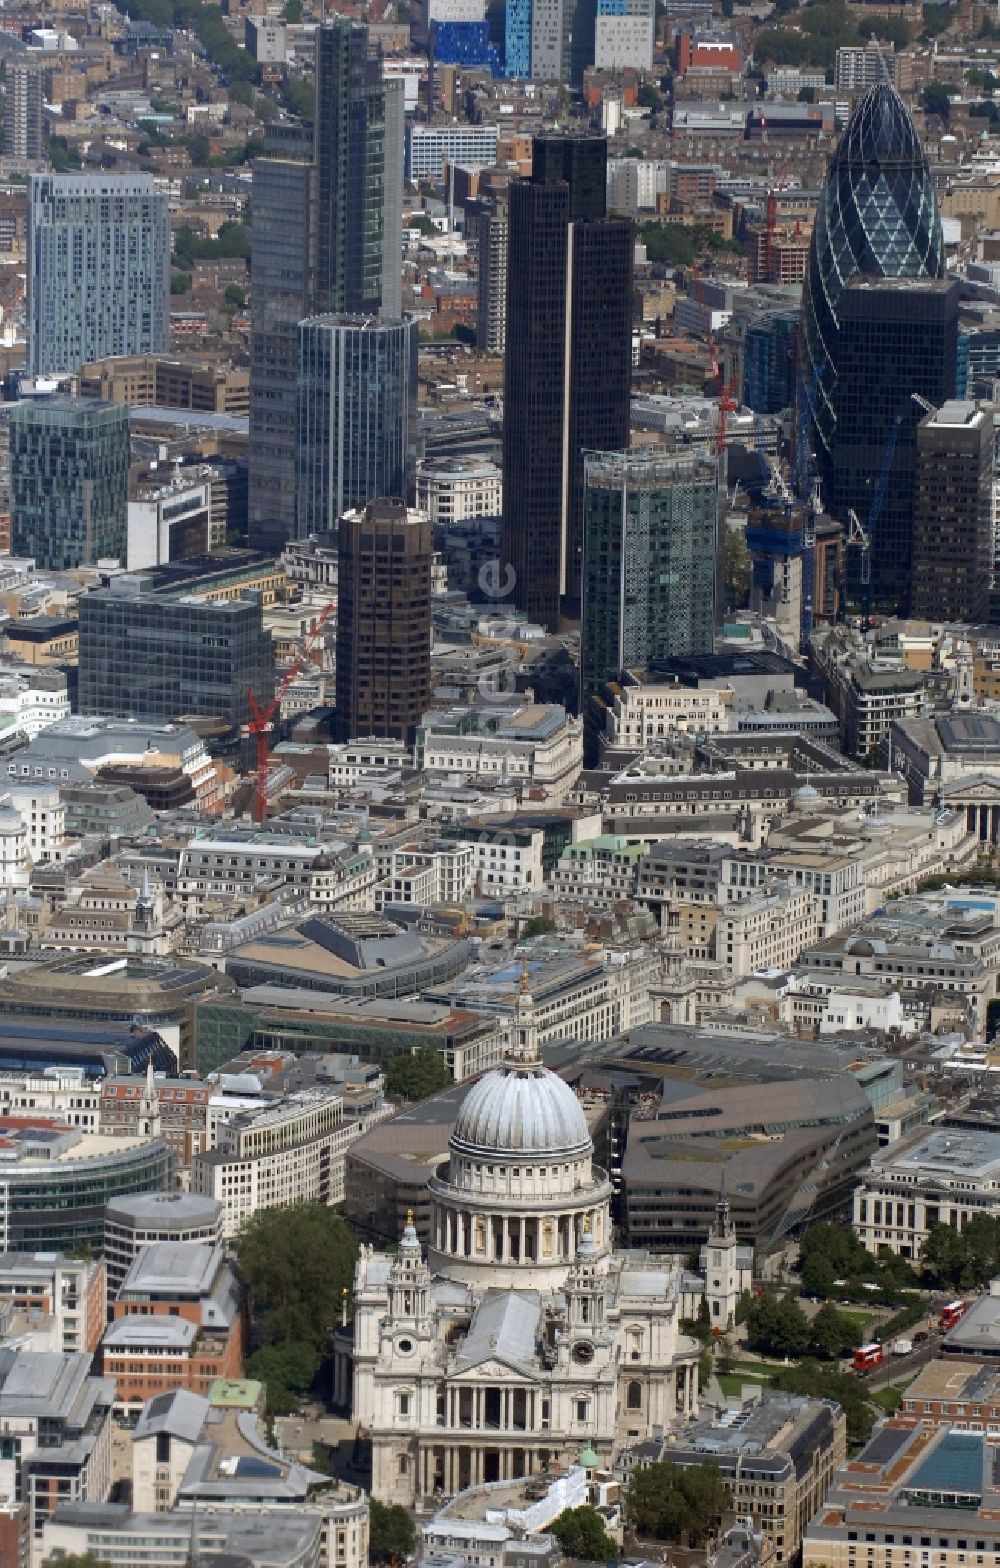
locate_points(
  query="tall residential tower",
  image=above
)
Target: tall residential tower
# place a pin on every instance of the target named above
(98, 269)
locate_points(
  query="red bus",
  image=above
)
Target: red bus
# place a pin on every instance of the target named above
(953, 1313)
(867, 1356)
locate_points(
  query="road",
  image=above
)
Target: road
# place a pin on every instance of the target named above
(895, 1368)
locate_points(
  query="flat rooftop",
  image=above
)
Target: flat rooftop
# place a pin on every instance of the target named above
(949, 1152)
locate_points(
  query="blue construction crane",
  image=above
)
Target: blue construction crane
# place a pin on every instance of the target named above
(863, 538)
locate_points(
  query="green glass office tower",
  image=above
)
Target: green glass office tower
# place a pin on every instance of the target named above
(650, 525)
(69, 460)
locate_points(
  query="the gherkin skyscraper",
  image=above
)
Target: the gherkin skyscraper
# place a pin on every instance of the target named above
(877, 216)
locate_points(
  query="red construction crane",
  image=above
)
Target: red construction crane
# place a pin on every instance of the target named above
(728, 402)
(261, 719)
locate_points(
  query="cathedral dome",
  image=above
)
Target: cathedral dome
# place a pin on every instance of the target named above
(518, 1109)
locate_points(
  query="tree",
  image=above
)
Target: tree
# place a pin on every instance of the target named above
(943, 1255)
(295, 1263)
(234, 295)
(199, 148)
(735, 568)
(936, 99)
(669, 243)
(664, 1500)
(293, 11)
(777, 1326)
(391, 1532)
(76, 1560)
(828, 1252)
(537, 925)
(649, 97)
(414, 1075)
(981, 1240)
(287, 1372)
(833, 1333)
(581, 1533)
(936, 18)
(180, 282)
(62, 155)
(300, 98)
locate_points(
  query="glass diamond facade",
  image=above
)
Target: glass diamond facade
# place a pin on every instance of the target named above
(877, 216)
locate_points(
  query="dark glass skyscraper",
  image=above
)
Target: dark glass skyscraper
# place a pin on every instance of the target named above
(952, 535)
(877, 216)
(282, 214)
(898, 337)
(327, 223)
(567, 366)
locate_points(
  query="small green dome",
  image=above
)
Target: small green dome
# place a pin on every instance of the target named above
(589, 1459)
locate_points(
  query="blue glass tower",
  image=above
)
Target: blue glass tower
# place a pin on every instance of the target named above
(517, 38)
(878, 217)
(467, 44)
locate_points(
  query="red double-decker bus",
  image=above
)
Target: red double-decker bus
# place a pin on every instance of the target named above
(953, 1313)
(867, 1356)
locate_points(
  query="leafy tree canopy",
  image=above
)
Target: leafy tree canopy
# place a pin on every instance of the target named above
(417, 1074)
(936, 99)
(777, 1326)
(231, 243)
(676, 245)
(962, 1259)
(76, 1560)
(300, 98)
(391, 1532)
(665, 1500)
(295, 1262)
(581, 1533)
(287, 1371)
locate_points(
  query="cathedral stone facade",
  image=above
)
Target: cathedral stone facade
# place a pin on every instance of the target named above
(523, 1337)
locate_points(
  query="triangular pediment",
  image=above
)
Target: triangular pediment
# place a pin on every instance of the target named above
(495, 1369)
(983, 787)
